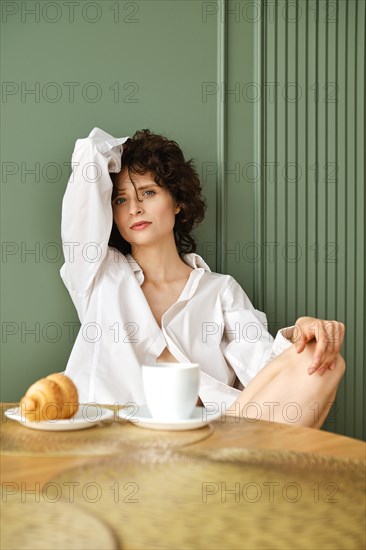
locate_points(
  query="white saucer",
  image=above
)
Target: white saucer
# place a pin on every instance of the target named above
(141, 417)
(86, 417)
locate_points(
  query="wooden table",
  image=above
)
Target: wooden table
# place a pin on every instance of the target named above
(242, 443)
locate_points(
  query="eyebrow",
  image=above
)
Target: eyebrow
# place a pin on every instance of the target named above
(119, 191)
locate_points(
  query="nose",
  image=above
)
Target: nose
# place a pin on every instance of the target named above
(135, 207)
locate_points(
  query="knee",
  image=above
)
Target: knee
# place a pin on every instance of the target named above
(305, 358)
(332, 378)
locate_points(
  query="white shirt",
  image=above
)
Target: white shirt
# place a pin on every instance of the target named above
(213, 322)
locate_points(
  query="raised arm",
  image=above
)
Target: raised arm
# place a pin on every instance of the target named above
(86, 209)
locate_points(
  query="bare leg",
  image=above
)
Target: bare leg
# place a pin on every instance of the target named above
(323, 414)
(284, 392)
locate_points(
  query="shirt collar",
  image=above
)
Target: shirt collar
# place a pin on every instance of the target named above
(139, 274)
(195, 261)
(192, 259)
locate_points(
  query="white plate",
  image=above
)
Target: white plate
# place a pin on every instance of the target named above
(86, 417)
(141, 417)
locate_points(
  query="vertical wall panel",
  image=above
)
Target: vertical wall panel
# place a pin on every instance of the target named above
(360, 312)
(341, 163)
(311, 214)
(241, 174)
(349, 113)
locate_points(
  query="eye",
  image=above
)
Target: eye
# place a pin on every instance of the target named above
(150, 191)
(117, 201)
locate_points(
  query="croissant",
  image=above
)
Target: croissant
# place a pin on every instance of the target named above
(52, 398)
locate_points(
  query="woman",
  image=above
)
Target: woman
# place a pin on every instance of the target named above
(144, 296)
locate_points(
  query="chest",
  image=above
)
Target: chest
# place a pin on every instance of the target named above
(162, 298)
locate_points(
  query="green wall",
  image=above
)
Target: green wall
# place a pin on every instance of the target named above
(198, 72)
(157, 54)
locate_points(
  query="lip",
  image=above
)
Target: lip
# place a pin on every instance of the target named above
(140, 225)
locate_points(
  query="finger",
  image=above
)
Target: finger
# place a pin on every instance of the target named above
(319, 353)
(326, 336)
(335, 332)
(325, 363)
(329, 336)
(300, 344)
(334, 336)
(299, 338)
(324, 367)
(334, 339)
(321, 370)
(329, 340)
(329, 363)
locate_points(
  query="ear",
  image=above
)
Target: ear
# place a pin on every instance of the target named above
(177, 210)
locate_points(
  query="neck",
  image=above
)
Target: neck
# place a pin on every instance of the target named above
(159, 263)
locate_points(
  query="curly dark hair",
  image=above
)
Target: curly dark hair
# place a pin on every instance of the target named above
(148, 152)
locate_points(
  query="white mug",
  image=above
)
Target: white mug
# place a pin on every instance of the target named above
(171, 389)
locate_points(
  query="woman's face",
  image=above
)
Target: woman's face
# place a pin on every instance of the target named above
(148, 220)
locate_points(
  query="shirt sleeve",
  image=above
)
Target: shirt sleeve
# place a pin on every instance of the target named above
(247, 345)
(87, 215)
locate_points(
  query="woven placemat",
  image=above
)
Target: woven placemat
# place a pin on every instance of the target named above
(233, 499)
(106, 438)
(34, 523)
